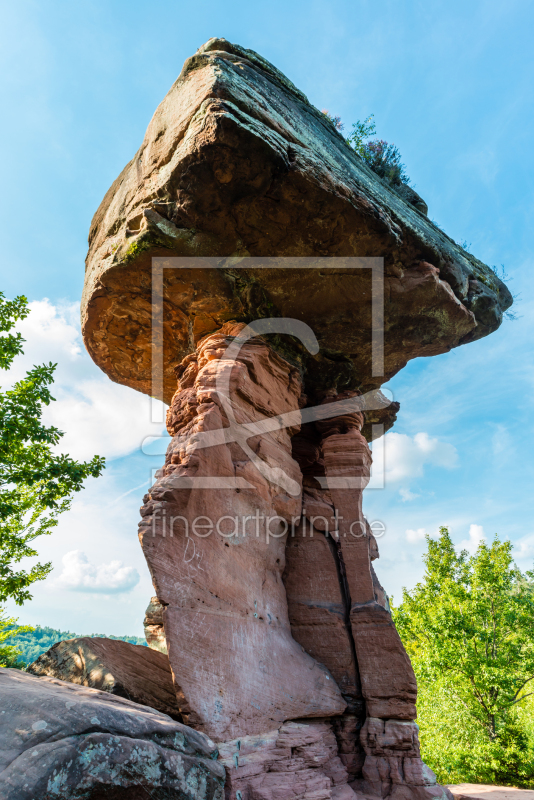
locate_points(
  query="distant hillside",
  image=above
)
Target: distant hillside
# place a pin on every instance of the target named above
(31, 645)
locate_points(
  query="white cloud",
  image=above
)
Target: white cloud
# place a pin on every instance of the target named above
(96, 415)
(407, 495)
(79, 575)
(501, 441)
(476, 535)
(524, 549)
(406, 456)
(415, 536)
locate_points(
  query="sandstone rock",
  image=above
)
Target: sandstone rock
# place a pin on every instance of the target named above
(298, 760)
(225, 609)
(127, 670)
(339, 612)
(153, 625)
(393, 763)
(236, 162)
(59, 740)
(318, 611)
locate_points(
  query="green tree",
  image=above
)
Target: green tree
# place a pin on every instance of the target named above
(10, 654)
(361, 131)
(36, 484)
(469, 630)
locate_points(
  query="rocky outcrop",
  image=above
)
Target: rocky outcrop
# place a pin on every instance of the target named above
(339, 612)
(237, 163)
(127, 670)
(300, 757)
(59, 740)
(217, 554)
(153, 625)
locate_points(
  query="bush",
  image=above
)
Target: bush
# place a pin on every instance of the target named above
(10, 655)
(385, 160)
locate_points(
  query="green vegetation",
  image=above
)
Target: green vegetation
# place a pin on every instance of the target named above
(27, 644)
(469, 630)
(382, 157)
(36, 484)
(9, 654)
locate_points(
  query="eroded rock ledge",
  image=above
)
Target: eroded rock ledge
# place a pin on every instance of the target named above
(237, 163)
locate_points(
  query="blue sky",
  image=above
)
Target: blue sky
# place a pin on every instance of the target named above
(450, 83)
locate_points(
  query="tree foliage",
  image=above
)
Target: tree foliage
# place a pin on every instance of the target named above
(469, 630)
(381, 156)
(36, 483)
(361, 131)
(10, 655)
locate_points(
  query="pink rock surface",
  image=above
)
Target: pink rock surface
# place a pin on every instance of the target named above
(226, 620)
(297, 760)
(128, 670)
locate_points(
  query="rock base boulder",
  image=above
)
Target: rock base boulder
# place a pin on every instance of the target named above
(59, 741)
(302, 760)
(128, 670)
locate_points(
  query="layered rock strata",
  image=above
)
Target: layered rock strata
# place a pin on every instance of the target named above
(339, 612)
(271, 608)
(237, 163)
(127, 670)
(62, 740)
(217, 554)
(299, 759)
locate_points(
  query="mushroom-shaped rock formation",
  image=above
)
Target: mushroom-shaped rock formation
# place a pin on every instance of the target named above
(236, 162)
(288, 282)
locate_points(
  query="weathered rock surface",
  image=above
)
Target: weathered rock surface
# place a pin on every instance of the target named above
(59, 740)
(153, 625)
(237, 163)
(340, 614)
(225, 610)
(306, 759)
(393, 766)
(127, 670)
(298, 760)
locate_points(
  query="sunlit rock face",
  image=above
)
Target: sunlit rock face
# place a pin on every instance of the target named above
(217, 554)
(279, 636)
(236, 162)
(127, 670)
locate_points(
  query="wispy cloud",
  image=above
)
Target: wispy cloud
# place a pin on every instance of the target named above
(407, 495)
